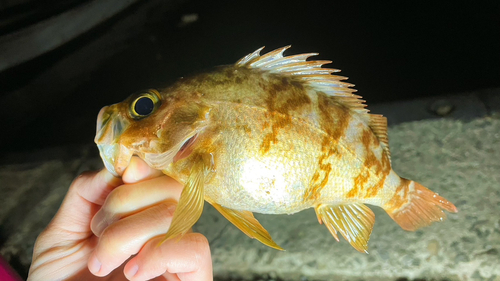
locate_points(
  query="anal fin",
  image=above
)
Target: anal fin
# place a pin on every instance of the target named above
(354, 221)
(246, 222)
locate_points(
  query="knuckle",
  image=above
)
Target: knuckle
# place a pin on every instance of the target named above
(201, 243)
(201, 249)
(118, 198)
(110, 239)
(82, 179)
(161, 215)
(167, 208)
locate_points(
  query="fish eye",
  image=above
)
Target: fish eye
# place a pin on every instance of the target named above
(144, 104)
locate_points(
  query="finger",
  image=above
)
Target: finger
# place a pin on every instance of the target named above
(96, 187)
(138, 170)
(129, 199)
(126, 237)
(86, 193)
(189, 258)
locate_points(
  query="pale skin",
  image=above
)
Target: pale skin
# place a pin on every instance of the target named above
(110, 228)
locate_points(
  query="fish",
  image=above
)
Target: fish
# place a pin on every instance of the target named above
(270, 134)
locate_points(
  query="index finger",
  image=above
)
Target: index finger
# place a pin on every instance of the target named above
(95, 186)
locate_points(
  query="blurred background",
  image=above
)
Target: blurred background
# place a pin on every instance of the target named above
(61, 61)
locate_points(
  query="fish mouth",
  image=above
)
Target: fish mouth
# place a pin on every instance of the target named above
(110, 127)
(115, 157)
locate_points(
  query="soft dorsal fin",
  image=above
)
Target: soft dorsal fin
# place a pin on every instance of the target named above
(319, 79)
(378, 124)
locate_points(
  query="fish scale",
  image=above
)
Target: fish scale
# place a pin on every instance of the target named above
(271, 134)
(284, 163)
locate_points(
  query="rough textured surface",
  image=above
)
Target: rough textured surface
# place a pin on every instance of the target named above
(32, 186)
(458, 159)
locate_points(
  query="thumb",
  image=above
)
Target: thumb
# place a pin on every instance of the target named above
(84, 198)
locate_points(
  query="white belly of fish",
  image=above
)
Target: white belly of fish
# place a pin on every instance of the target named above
(262, 185)
(269, 181)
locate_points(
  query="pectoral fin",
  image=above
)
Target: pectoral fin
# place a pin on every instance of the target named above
(190, 204)
(246, 222)
(354, 221)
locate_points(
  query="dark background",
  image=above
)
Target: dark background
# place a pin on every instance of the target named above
(391, 50)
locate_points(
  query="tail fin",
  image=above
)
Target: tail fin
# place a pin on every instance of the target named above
(414, 206)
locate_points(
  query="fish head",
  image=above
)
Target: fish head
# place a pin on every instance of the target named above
(158, 128)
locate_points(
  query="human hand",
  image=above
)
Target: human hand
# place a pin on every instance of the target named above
(104, 220)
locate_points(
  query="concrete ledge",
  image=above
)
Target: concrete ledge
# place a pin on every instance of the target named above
(458, 159)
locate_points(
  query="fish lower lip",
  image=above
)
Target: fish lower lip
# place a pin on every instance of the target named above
(115, 157)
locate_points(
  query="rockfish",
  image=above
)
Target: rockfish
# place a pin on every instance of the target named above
(271, 134)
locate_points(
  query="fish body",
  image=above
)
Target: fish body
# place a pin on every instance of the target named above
(273, 135)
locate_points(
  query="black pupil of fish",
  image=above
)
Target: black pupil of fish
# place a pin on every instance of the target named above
(144, 106)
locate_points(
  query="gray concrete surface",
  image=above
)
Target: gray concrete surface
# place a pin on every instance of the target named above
(460, 159)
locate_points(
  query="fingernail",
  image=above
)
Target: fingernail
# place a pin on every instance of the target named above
(132, 271)
(94, 265)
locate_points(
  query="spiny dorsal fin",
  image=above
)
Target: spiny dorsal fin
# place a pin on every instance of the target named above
(310, 72)
(378, 124)
(321, 80)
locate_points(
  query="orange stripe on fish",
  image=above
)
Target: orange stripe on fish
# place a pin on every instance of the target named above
(373, 169)
(400, 197)
(284, 96)
(334, 118)
(314, 191)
